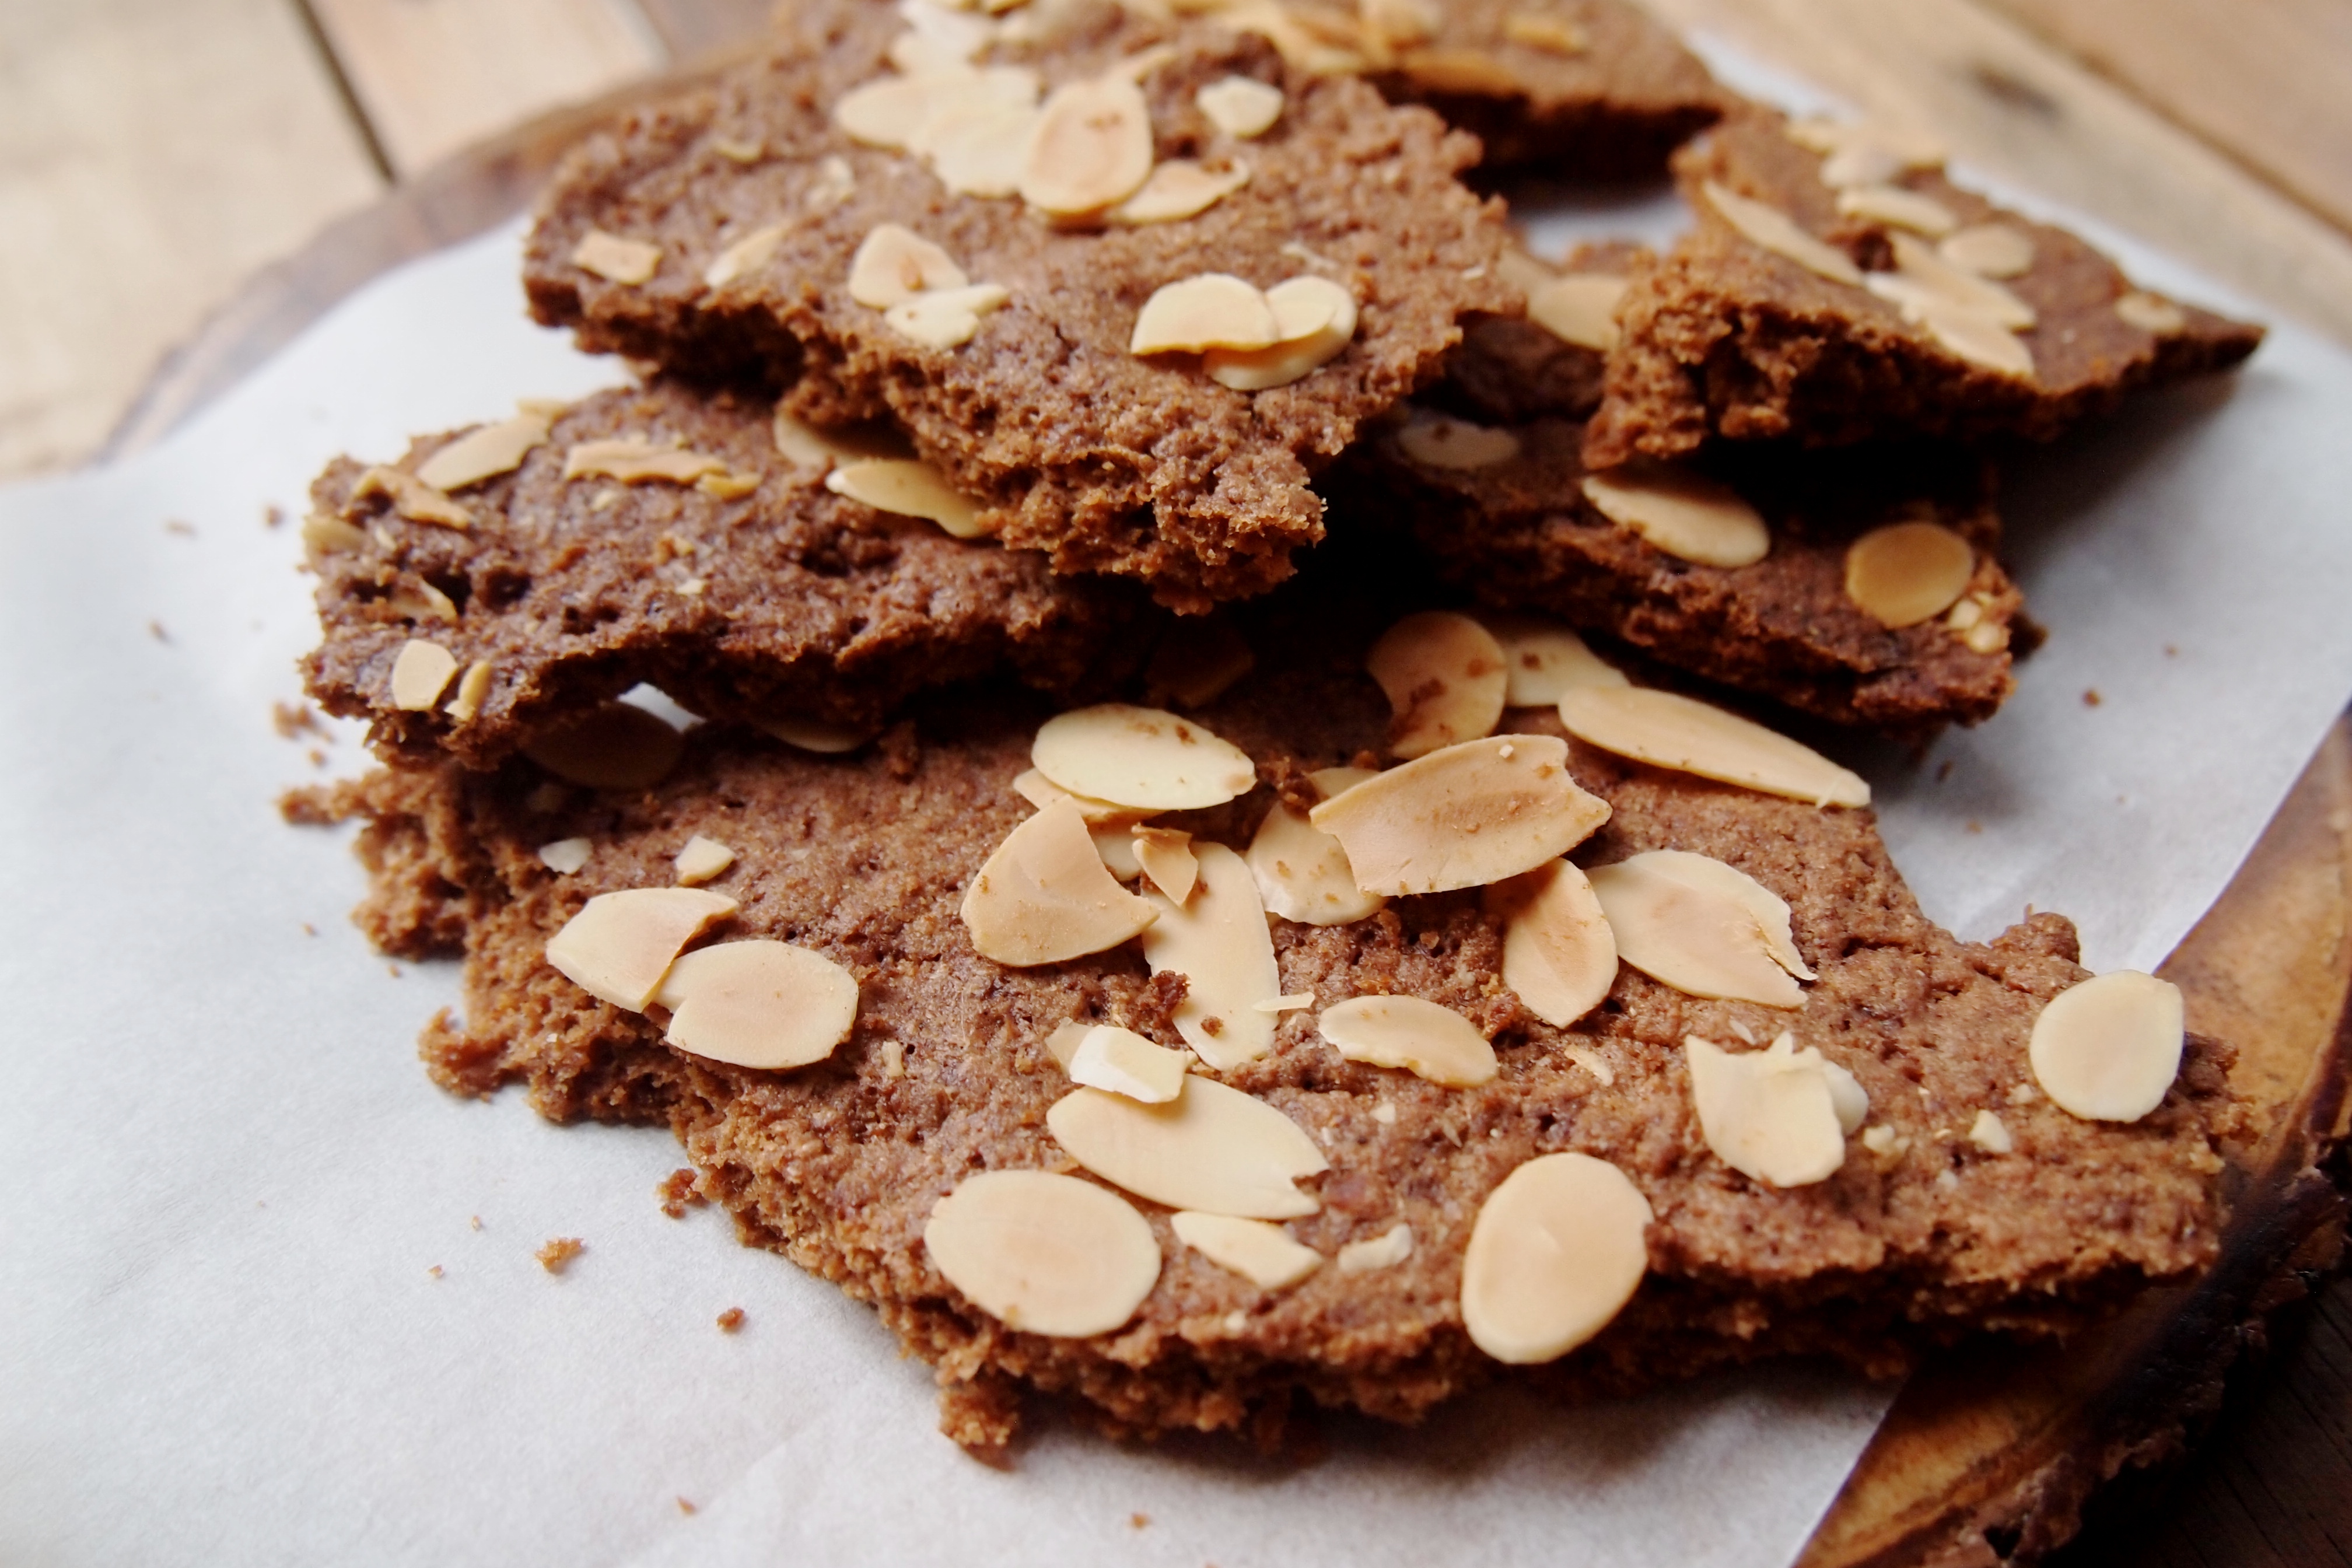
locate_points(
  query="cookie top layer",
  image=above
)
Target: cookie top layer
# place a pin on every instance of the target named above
(1993, 325)
(1112, 462)
(749, 591)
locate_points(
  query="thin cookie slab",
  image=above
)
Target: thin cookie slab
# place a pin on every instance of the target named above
(1890, 304)
(1005, 343)
(958, 1065)
(1548, 362)
(724, 573)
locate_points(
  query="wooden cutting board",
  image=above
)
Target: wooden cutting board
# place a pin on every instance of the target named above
(1989, 1452)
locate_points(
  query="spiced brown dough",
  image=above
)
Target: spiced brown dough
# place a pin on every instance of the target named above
(1724, 338)
(786, 601)
(1510, 370)
(1140, 466)
(865, 858)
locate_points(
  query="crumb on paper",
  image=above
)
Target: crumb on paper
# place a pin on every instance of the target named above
(393, 970)
(184, 530)
(1943, 770)
(731, 1320)
(1975, 826)
(558, 1254)
(273, 516)
(434, 1272)
(677, 1193)
(310, 930)
(318, 758)
(2091, 698)
(1137, 1520)
(684, 1506)
(475, 1221)
(293, 718)
(155, 630)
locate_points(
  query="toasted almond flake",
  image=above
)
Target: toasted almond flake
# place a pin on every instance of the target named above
(1210, 310)
(1198, 661)
(1211, 1148)
(1717, 878)
(763, 1005)
(634, 462)
(1298, 1000)
(725, 487)
(1865, 155)
(806, 446)
(1044, 896)
(1895, 205)
(421, 601)
(1956, 287)
(1777, 232)
(412, 498)
(1556, 1252)
(1847, 1098)
(1120, 1061)
(1117, 848)
(1241, 107)
(2150, 314)
(1386, 1251)
(909, 489)
(1063, 1044)
(1908, 571)
(612, 746)
(980, 148)
(1461, 817)
(946, 318)
(888, 111)
(1305, 348)
(1474, 71)
(1309, 47)
(1553, 35)
(473, 690)
(1767, 1114)
(964, 104)
(1219, 941)
(1986, 638)
(1967, 335)
(1044, 1254)
(817, 735)
(1444, 677)
(1140, 757)
(1262, 1253)
(564, 856)
(1559, 953)
(616, 259)
(834, 184)
(702, 859)
(1177, 189)
(2108, 1049)
(745, 256)
(420, 674)
(1667, 731)
(1544, 659)
(619, 945)
(1302, 872)
(736, 150)
(893, 264)
(1041, 792)
(1580, 309)
(1429, 1041)
(1687, 516)
(484, 452)
(1523, 272)
(1964, 615)
(1390, 26)
(1884, 1140)
(1441, 441)
(1698, 939)
(324, 533)
(1091, 148)
(1988, 251)
(1991, 1133)
(1591, 1061)
(1165, 855)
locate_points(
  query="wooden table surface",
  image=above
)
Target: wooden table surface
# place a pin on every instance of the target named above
(155, 153)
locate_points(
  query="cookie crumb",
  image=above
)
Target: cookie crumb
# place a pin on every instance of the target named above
(677, 1193)
(184, 530)
(2091, 698)
(684, 1506)
(434, 1270)
(1137, 1520)
(293, 718)
(474, 1221)
(310, 930)
(155, 630)
(731, 1320)
(273, 517)
(558, 1254)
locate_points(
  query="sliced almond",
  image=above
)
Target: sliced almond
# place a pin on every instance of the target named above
(2108, 1049)
(745, 256)
(1391, 26)
(1559, 952)
(1900, 208)
(324, 535)
(894, 264)
(616, 259)
(1857, 153)
(473, 690)
(1117, 848)
(1766, 1114)
(814, 735)
(420, 674)
(1210, 310)
(420, 601)
(412, 498)
(1720, 879)
(1470, 71)
(1991, 1133)
(2150, 314)
(1441, 441)
(1685, 514)
(1923, 265)
(1140, 757)
(1211, 1148)
(1544, 659)
(1177, 189)
(1386, 1251)
(636, 462)
(1697, 938)
(805, 446)
(619, 945)
(1044, 896)
(1091, 148)
(1165, 855)
(1120, 1061)
(888, 111)
(946, 318)
(612, 746)
(1959, 331)
(1908, 571)
(1593, 1062)
(1847, 1097)
(1041, 792)
(1302, 872)
(1555, 1253)
(1198, 661)
(1261, 1253)
(484, 452)
(1421, 1037)
(1297, 1002)
(566, 856)
(702, 859)
(960, 99)
(909, 489)
(980, 151)
(1580, 309)
(1317, 319)
(1444, 677)
(763, 1005)
(1988, 251)
(1667, 731)
(1553, 34)
(1218, 940)
(1777, 232)
(1241, 107)
(1461, 817)
(1044, 1254)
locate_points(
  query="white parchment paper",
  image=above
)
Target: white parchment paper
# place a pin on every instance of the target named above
(226, 1179)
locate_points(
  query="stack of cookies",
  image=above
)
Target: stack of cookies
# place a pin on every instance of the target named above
(1161, 899)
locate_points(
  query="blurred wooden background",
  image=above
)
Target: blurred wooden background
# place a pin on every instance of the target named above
(155, 153)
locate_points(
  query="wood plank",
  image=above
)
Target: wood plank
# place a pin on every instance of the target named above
(433, 76)
(2267, 81)
(152, 153)
(2006, 102)
(692, 28)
